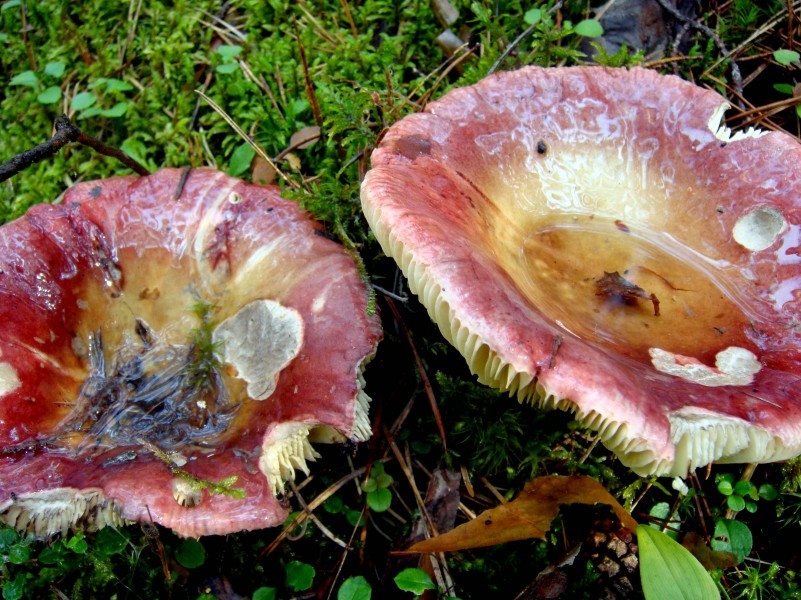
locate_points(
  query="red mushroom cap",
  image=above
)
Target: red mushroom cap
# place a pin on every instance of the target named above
(593, 239)
(158, 340)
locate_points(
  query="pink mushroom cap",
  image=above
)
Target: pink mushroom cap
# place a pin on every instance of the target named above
(168, 353)
(594, 240)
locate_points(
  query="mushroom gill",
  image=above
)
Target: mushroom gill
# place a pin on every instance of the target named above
(594, 239)
(156, 334)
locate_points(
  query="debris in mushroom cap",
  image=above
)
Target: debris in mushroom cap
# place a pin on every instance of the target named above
(150, 344)
(503, 244)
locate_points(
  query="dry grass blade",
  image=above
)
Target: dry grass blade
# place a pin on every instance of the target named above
(312, 95)
(327, 532)
(246, 137)
(432, 400)
(311, 507)
(223, 28)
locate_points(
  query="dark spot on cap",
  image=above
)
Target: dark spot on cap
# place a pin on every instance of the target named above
(542, 148)
(413, 146)
(96, 191)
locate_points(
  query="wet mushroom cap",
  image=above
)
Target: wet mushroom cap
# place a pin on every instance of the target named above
(168, 348)
(595, 240)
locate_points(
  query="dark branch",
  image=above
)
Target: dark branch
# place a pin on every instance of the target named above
(66, 132)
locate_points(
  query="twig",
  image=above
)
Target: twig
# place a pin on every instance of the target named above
(313, 505)
(65, 133)
(327, 532)
(529, 30)
(736, 77)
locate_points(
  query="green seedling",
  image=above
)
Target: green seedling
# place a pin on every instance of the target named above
(743, 495)
(379, 496)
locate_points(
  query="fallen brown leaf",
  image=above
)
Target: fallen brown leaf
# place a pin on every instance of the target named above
(529, 515)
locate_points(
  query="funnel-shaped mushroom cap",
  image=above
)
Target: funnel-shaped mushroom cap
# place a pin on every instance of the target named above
(167, 348)
(593, 239)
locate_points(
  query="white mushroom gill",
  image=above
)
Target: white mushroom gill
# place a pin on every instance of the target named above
(50, 512)
(724, 133)
(284, 450)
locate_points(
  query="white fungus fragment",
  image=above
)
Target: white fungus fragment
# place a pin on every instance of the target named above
(758, 229)
(733, 366)
(9, 380)
(259, 341)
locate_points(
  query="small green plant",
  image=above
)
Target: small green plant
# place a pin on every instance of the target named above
(734, 537)
(228, 55)
(743, 495)
(299, 575)
(379, 496)
(28, 569)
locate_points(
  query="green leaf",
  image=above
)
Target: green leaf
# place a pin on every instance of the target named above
(379, 500)
(115, 111)
(414, 580)
(83, 100)
(54, 69)
(299, 575)
(19, 555)
(50, 96)
(8, 537)
(743, 488)
(26, 78)
(725, 488)
(786, 57)
(669, 572)
(370, 485)
(92, 111)
(14, 590)
(77, 544)
(10, 4)
(190, 553)
(735, 502)
(732, 536)
(110, 541)
(589, 28)
(355, 588)
(383, 480)
(241, 159)
(334, 504)
(768, 492)
(661, 511)
(354, 517)
(227, 68)
(117, 85)
(136, 149)
(784, 88)
(533, 16)
(228, 52)
(265, 593)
